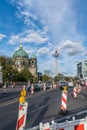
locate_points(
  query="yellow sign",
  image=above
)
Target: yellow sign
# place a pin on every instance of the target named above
(65, 88)
(22, 99)
(23, 93)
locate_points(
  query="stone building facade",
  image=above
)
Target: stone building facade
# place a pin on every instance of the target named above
(21, 59)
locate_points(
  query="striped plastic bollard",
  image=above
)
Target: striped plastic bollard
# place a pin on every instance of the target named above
(74, 92)
(64, 101)
(22, 116)
(44, 87)
(79, 88)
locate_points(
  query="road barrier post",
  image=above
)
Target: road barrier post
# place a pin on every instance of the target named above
(79, 88)
(74, 92)
(44, 87)
(32, 89)
(22, 111)
(64, 110)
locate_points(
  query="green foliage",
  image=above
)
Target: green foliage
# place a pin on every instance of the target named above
(26, 75)
(45, 78)
(58, 77)
(3, 60)
(11, 74)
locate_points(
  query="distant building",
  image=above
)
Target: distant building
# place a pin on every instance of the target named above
(21, 59)
(40, 76)
(82, 70)
(47, 72)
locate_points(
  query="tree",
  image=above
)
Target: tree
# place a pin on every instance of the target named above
(45, 78)
(58, 77)
(9, 73)
(25, 73)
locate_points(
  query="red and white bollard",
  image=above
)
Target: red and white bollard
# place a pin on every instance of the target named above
(22, 111)
(64, 101)
(22, 116)
(44, 87)
(32, 89)
(86, 83)
(74, 92)
(51, 87)
(79, 89)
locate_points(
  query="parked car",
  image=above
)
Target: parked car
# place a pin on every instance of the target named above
(70, 84)
(48, 85)
(62, 84)
(36, 87)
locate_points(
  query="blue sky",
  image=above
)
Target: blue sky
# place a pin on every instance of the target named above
(42, 26)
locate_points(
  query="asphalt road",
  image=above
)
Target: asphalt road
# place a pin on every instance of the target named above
(42, 107)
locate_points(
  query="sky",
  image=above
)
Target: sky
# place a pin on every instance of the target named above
(43, 26)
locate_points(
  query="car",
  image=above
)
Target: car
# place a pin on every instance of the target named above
(70, 84)
(62, 85)
(36, 87)
(48, 85)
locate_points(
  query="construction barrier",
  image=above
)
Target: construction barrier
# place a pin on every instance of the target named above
(44, 87)
(32, 89)
(67, 125)
(22, 111)
(74, 92)
(64, 101)
(21, 122)
(79, 89)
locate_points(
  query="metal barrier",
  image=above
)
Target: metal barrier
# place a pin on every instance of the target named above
(80, 124)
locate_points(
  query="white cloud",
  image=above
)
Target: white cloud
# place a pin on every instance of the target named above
(51, 22)
(43, 50)
(58, 16)
(2, 36)
(28, 36)
(72, 48)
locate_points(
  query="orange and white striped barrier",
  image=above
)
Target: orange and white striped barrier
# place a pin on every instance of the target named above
(80, 124)
(22, 111)
(21, 122)
(44, 87)
(74, 92)
(64, 101)
(86, 83)
(51, 87)
(32, 89)
(73, 125)
(79, 89)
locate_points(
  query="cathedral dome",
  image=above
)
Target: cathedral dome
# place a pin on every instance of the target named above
(33, 56)
(20, 53)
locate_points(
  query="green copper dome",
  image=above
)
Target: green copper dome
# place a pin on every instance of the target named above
(20, 53)
(33, 56)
